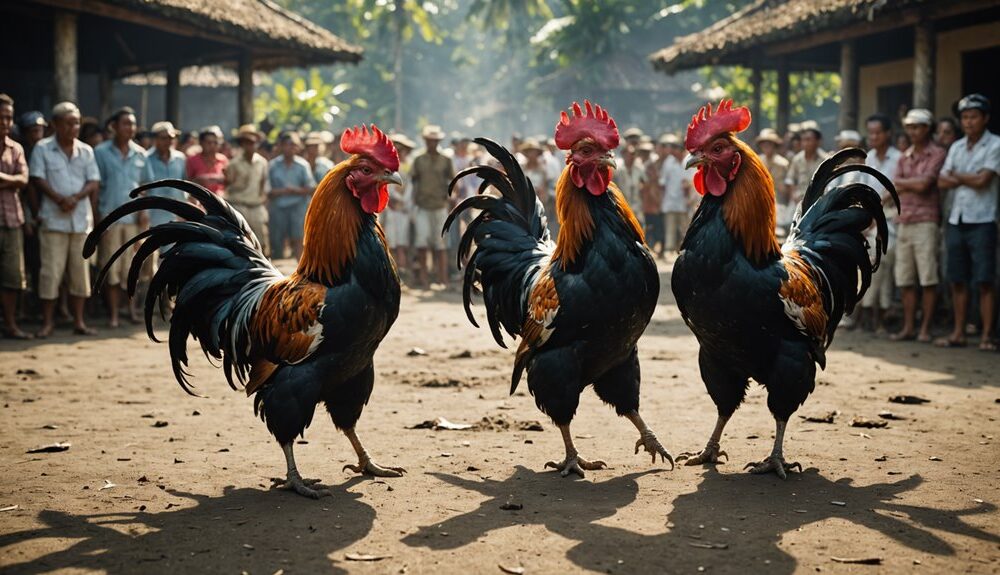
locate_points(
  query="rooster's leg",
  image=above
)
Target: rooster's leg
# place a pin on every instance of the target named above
(647, 440)
(294, 481)
(712, 451)
(365, 464)
(573, 462)
(776, 461)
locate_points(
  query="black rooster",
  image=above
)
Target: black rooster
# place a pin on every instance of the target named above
(580, 304)
(760, 310)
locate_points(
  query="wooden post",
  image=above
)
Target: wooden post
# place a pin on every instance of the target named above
(173, 94)
(924, 51)
(245, 89)
(755, 101)
(104, 91)
(781, 121)
(64, 48)
(848, 119)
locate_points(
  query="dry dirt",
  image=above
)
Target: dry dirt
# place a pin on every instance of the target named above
(191, 476)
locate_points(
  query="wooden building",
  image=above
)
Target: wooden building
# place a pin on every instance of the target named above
(891, 54)
(58, 48)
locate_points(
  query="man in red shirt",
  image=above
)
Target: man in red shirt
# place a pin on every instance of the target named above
(208, 167)
(918, 230)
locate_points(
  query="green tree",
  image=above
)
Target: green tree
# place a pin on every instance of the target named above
(807, 90)
(309, 103)
(515, 18)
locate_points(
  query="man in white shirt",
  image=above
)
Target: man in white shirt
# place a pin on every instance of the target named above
(884, 157)
(971, 169)
(65, 171)
(675, 202)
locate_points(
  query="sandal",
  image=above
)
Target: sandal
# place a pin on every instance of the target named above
(17, 334)
(903, 337)
(84, 331)
(987, 346)
(948, 342)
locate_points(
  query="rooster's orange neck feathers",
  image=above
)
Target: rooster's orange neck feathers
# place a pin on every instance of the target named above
(748, 207)
(332, 225)
(576, 224)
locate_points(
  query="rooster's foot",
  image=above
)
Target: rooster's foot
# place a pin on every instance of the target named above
(774, 463)
(647, 440)
(301, 486)
(575, 464)
(369, 467)
(710, 454)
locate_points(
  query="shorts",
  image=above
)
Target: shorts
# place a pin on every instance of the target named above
(881, 290)
(286, 223)
(12, 259)
(971, 253)
(427, 226)
(396, 224)
(257, 219)
(62, 255)
(917, 254)
(654, 229)
(113, 238)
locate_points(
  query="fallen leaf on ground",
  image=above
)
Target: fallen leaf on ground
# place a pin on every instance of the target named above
(8, 508)
(50, 426)
(828, 418)
(107, 485)
(890, 415)
(838, 503)
(908, 399)
(512, 570)
(51, 448)
(700, 545)
(868, 423)
(160, 424)
(859, 560)
(365, 557)
(416, 351)
(935, 458)
(442, 423)
(466, 354)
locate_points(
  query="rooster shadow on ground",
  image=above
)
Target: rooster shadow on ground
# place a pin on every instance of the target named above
(224, 532)
(756, 513)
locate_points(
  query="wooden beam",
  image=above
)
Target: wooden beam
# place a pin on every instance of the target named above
(924, 62)
(882, 23)
(65, 51)
(173, 94)
(245, 89)
(781, 121)
(848, 119)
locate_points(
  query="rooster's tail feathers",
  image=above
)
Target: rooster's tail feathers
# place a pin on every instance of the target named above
(511, 237)
(213, 271)
(829, 233)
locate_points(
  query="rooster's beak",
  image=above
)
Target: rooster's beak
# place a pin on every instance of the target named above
(696, 159)
(391, 178)
(609, 161)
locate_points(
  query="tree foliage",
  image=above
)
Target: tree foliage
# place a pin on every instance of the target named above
(306, 103)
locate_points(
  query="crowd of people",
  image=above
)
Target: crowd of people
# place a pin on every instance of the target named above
(62, 173)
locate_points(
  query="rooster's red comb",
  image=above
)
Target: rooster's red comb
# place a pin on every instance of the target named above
(595, 124)
(705, 125)
(358, 140)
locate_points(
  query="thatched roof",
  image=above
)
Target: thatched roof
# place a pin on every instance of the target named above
(767, 21)
(195, 77)
(259, 25)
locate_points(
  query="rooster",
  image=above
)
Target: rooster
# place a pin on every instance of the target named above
(759, 309)
(579, 304)
(290, 341)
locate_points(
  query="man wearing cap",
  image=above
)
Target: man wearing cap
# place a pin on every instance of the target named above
(208, 167)
(430, 174)
(292, 185)
(971, 169)
(768, 142)
(917, 231)
(64, 170)
(395, 218)
(632, 136)
(121, 163)
(628, 176)
(651, 194)
(314, 154)
(13, 178)
(246, 184)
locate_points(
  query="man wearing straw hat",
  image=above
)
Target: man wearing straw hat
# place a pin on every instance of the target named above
(430, 174)
(246, 183)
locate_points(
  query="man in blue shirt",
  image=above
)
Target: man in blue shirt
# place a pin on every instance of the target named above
(163, 162)
(122, 163)
(292, 186)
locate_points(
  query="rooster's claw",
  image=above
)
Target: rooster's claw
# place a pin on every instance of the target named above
(649, 442)
(369, 467)
(575, 464)
(773, 463)
(710, 454)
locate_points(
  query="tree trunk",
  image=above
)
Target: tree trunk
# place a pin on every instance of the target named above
(397, 65)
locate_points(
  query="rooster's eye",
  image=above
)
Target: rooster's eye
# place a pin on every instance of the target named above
(366, 171)
(717, 149)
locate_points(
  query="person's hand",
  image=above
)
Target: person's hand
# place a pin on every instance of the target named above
(68, 203)
(143, 220)
(29, 227)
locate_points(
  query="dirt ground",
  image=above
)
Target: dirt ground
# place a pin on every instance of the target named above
(191, 476)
